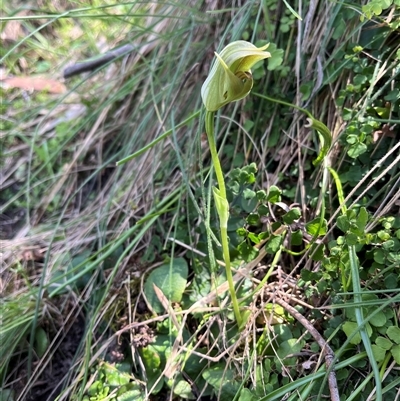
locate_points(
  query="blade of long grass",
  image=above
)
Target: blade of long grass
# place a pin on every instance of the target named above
(354, 266)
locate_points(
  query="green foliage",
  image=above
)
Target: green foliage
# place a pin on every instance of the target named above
(7, 395)
(113, 382)
(41, 342)
(154, 359)
(171, 279)
(375, 7)
(155, 356)
(223, 381)
(68, 269)
(276, 57)
(18, 317)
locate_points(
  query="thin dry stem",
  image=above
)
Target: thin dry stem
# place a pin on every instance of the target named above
(325, 348)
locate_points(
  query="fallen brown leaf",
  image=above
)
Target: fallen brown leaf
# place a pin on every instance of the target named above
(12, 30)
(387, 130)
(34, 83)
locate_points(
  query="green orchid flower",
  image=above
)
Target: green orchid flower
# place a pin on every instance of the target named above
(230, 78)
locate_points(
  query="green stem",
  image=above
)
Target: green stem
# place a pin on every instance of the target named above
(223, 212)
(323, 131)
(214, 153)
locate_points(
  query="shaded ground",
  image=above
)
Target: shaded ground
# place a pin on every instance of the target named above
(50, 382)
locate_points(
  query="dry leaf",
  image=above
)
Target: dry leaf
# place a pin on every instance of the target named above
(34, 83)
(12, 31)
(307, 365)
(387, 130)
(32, 254)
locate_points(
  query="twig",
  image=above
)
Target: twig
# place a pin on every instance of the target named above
(91, 65)
(326, 349)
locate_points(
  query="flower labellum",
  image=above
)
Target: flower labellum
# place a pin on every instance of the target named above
(230, 77)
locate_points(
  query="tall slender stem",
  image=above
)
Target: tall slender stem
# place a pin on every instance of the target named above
(214, 153)
(222, 213)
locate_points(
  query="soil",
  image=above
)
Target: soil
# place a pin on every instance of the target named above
(50, 383)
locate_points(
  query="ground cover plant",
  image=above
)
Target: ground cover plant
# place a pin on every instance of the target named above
(117, 280)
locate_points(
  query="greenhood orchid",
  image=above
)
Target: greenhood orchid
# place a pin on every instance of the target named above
(230, 78)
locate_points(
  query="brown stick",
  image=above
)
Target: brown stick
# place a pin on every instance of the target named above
(326, 349)
(91, 65)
